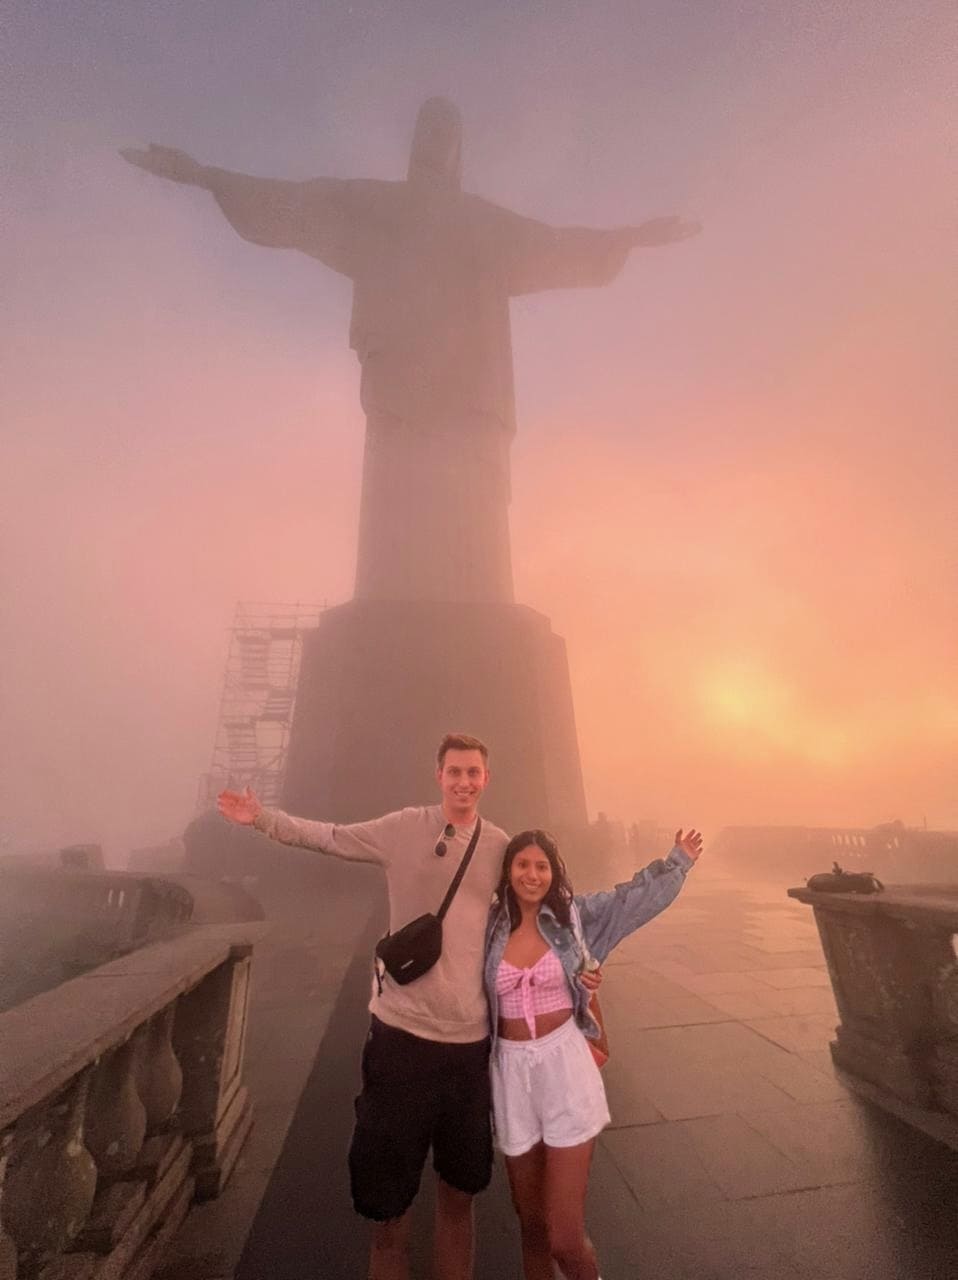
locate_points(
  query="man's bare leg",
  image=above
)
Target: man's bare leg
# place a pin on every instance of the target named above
(389, 1254)
(453, 1240)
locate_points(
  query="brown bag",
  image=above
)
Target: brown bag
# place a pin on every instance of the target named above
(600, 1047)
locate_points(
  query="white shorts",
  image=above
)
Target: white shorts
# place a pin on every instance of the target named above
(547, 1090)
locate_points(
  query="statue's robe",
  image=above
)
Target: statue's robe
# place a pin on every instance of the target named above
(433, 270)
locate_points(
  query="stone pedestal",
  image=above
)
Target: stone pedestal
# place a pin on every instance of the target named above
(892, 968)
(381, 681)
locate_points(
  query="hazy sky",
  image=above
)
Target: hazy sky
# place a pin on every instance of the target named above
(733, 484)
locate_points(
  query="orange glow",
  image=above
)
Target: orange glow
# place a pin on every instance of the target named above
(733, 482)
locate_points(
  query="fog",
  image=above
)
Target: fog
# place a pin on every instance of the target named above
(733, 482)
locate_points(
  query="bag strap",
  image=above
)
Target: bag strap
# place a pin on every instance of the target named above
(457, 878)
(579, 936)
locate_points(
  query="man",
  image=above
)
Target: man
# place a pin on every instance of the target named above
(425, 1068)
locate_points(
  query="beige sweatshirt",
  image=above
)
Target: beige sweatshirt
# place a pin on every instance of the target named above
(448, 1002)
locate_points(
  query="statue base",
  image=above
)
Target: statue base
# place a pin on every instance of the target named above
(381, 681)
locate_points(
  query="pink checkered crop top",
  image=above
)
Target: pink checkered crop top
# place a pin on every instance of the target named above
(541, 988)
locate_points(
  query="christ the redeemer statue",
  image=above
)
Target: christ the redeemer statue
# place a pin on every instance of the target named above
(433, 269)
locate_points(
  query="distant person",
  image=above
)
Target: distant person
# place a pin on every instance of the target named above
(425, 1066)
(549, 1102)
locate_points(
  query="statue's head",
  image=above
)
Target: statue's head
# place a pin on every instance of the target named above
(436, 153)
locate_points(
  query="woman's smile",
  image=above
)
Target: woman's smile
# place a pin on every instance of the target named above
(530, 874)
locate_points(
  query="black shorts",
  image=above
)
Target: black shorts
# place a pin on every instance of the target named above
(418, 1093)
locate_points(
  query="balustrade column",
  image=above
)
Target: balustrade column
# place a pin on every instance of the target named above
(115, 1116)
(159, 1076)
(51, 1176)
(209, 1039)
(8, 1250)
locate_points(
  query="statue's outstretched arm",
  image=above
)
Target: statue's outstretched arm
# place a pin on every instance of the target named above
(166, 162)
(538, 256)
(309, 216)
(659, 231)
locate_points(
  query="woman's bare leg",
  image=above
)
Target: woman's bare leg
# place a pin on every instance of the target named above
(566, 1179)
(527, 1183)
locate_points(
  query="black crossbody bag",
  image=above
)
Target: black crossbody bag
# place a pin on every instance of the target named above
(413, 950)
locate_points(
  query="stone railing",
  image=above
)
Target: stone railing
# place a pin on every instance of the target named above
(121, 1100)
(56, 922)
(894, 971)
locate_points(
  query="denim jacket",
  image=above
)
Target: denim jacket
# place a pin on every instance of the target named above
(606, 919)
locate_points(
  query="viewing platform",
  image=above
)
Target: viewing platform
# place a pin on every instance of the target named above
(736, 1150)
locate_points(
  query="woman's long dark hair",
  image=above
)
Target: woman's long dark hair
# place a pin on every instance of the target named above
(559, 897)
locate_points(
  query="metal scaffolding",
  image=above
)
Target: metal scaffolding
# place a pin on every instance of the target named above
(256, 707)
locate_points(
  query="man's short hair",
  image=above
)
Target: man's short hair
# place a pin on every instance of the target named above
(461, 742)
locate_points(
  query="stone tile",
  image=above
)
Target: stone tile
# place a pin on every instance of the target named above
(628, 1102)
(705, 1242)
(740, 1005)
(829, 1140)
(748, 1005)
(802, 1081)
(669, 969)
(270, 1125)
(801, 1000)
(707, 984)
(765, 962)
(686, 1072)
(626, 1237)
(610, 1199)
(782, 946)
(723, 1044)
(720, 1068)
(266, 1069)
(210, 1241)
(848, 1232)
(808, 976)
(742, 1161)
(820, 1059)
(801, 1031)
(627, 1006)
(723, 960)
(765, 924)
(688, 1091)
(661, 1166)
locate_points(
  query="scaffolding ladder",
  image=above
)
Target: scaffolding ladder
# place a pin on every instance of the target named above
(258, 699)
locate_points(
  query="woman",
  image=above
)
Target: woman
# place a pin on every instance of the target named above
(548, 1098)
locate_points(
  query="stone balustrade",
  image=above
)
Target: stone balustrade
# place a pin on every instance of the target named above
(894, 971)
(121, 1100)
(56, 921)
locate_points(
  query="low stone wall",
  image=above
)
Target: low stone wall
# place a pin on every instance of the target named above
(893, 966)
(121, 1100)
(56, 922)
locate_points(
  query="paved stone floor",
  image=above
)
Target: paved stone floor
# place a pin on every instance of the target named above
(734, 1153)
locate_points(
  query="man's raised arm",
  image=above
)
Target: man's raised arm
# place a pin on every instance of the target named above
(356, 841)
(310, 216)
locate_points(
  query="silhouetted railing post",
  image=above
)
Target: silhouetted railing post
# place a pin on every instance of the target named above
(209, 1038)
